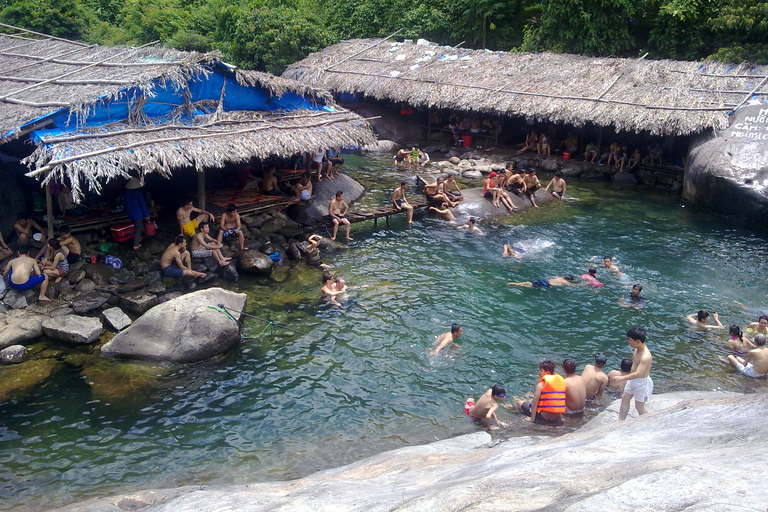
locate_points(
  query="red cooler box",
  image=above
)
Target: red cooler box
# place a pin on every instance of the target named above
(467, 141)
(123, 231)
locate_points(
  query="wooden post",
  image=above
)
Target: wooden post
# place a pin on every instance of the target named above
(429, 123)
(201, 189)
(49, 209)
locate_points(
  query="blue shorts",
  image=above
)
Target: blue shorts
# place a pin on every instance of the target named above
(229, 232)
(33, 281)
(173, 270)
(541, 283)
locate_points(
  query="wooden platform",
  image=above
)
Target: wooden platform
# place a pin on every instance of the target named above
(98, 220)
(375, 214)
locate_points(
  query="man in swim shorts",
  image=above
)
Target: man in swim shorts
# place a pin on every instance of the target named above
(400, 158)
(230, 225)
(546, 283)
(484, 411)
(400, 202)
(638, 382)
(558, 185)
(188, 225)
(19, 270)
(337, 211)
(176, 261)
(624, 368)
(548, 403)
(755, 364)
(575, 390)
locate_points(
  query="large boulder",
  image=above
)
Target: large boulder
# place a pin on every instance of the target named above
(189, 328)
(254, 262)
(18, 326)
(381, 147)
(13, 355)
(16, 299)
(316, 211)
(73, 328)
(728, 173)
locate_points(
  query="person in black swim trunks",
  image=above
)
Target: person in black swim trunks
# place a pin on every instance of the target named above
(546, 283)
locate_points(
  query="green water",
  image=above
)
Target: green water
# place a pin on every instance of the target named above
(359, 381)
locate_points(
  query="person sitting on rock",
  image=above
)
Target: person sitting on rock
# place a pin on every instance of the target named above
(548, 403)
(531, 143)
(591, 152)
(19, 270)
(303, 189)
(484, 411)
(55, 265)
(613, 154)
(434, 195)
(176, 261)
(188, 225)
(71, 244)
(334, 160)
(230, 225)
(575, 390)
(204, 245)
(635, 159)
(24, 226)
(448, 185)
(595, 379)
(532, 184)
(755, 365)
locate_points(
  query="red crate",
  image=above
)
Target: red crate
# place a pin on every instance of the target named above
(123, 231)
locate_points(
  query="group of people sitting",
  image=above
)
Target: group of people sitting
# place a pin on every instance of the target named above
(413, 159)
(468, 126)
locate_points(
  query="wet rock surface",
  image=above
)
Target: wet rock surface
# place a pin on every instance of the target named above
(72, 328)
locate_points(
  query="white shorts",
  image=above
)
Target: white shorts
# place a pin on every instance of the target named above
(641, 388)
(748, 370)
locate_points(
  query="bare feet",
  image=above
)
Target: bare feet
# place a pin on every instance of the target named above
(137, 247)
(349, 239)
(58, 279)
(243, 249)
(43, 299)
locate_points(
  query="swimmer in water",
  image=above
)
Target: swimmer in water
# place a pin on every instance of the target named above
(510, 252)
(470, 227)
(546, 283)
(701, 318)
(761, 326)
(633, 298)
(447, 338)
(738, 342)
(608, 262)
(591, 277)
(328, 291)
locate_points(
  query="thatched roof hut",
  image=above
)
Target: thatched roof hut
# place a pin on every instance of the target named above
(662, 97)
(97, 113)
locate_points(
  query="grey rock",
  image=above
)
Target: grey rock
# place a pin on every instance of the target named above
(153, 277)
(381, 147)
(75, 276)
(138, 302)
(211, 264)
(141, 268)
(3, 309)
(89, 302)
(472, 174)
(85, 286)
(157, 288)
(454, 160)
(185, 329)
(572, 171)
(16, 299)
(550, 164)
(116, 319)
(254, 262)
(624, 177)
(73, 328)
(124, 276)
(132, 286)
(316, 210)
(13, 354)
(99, 273)
(272, 226)
(113, 300)
(229, 273)
(593, 175)
(170, 296)
(18, 326)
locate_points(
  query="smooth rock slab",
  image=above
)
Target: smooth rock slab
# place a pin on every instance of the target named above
(185, 329)
(18, 326)
(89, 302)
(116, 318)
(138, 302)
(99, 273)
(15, 299)
(254, 262)
(73, 328)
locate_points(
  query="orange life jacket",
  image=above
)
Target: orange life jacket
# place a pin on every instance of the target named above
(552, 395)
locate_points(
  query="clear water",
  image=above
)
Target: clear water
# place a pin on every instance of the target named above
(359, 381)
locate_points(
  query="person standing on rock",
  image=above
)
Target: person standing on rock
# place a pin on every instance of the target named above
(337, 211)
(638, 382)
(400, 202)
(136, 209)
(230, 225)
(176, 261)
(548, 403)
(19, 270)
(187, 225)
(484, 411)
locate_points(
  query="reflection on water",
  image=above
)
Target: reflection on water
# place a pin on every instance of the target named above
(359, 380)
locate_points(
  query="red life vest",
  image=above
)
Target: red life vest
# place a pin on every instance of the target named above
(552, 395)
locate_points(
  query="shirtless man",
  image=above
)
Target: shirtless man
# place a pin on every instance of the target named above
(546, 283)
(402, 158)
(400, 202)
(176, 261)
(625, 368)
(595, 379)
(303, 189)
(532, 184)
(447, 337)
(434, 194)
(633, 298)
(701, 318)
(187, 225)
(445, 212)
(269, 184)
(755, 365)
(638, 382)
(608, 263)
(761, 326)
(516, 183)
(204, 245)
(328, 291)
(502, 194)
(484, 411)
(575, 390)
(558, 185)
(19, 274)
(71, 243)
(337, 211)
(230, 225)
(510, 252)
(448, 185)
(470, 227)
(24, 226)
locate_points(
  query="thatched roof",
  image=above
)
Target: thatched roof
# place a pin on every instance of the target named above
(54, 89)
(661, 96)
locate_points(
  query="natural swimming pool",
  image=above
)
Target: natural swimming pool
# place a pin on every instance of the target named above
(359, 381)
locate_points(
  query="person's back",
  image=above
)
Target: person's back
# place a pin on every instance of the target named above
(595, 379)
(759, 359)
(21, 268)
(625, 368)
(575, 390)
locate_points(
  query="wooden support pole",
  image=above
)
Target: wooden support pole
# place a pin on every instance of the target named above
(49, 209)
(201, 189)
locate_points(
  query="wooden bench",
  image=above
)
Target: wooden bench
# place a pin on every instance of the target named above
(100, 220)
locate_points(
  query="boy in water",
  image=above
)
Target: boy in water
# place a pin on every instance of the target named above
(624, 369)
(558, 185)
(638, 382)
(755, 365)
(701, 318)
(595, 379)
(446, 338)
(485, 409)
(470, 227)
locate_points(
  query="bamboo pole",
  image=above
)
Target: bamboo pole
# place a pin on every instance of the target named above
(365, 49)
(49, 209)
(201, 188)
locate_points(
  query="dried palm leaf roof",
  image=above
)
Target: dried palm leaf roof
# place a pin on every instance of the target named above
(663, 97)
(46, 79)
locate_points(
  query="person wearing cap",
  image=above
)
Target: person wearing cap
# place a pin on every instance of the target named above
(136, 208)
(595, 378)
(484, 411)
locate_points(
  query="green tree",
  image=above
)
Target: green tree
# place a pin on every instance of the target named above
(70, 19)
